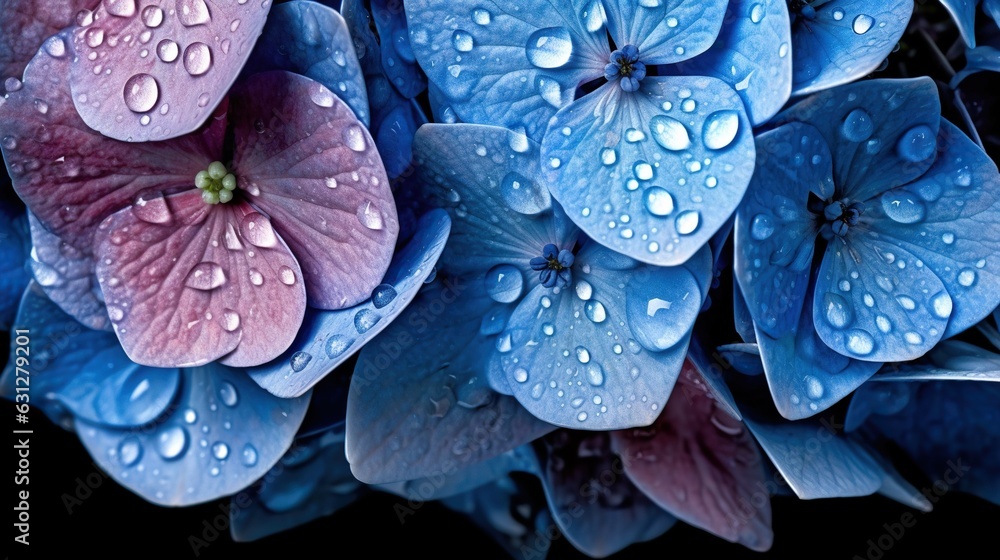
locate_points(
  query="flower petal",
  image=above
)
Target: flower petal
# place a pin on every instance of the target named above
(311, 481)
(700, 464)
(15, 246)
(398, 60)
(597, 508)
(603, 355)
(146, 73)
(311, 39)
(751, 54)
(24, 26)
(846, 40)
(177, 462)
(832, 375)
(951, 360)
(510, 64)
(881, 132)
(328, 338)
(310, 165)
(665, 32)
(419, 400)
(957, 210)
(964, 14)
(71, 177)
(653, 174)
(774, 232)
(68, 276)
(186, 284)
(452, 482)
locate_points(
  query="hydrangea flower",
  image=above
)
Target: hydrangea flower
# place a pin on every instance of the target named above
(868, 235)
(838, 41)
(644, 111)
(196, 258)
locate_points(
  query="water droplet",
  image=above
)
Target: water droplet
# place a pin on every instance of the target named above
(837, 310)
(249, 455)
(838, 14)
(354, 138)
(336, 345)
(687, 222)
(197, 58)
(141, 93)
(757, 13)
(481, 17)
(152, 16)
(94, 37)
(256, 278)
(584, 290)
(582, 354)
(595, 311)
(857, 126)
(582, 416)
(286, 275)
(814, 388)
(369, 216)
(643, 171)
(120, 8)
(228, 394)
(762, 227)
(913, 338)
(299, 361)
(129, 451)
(521, 375)
(860, 343)
(504, 283)
(523, 195)
(220, 450)
(550, 90)
(167, 50)
(205, 276)
(862, 24)
(595, 375)
(321, 96)
(967, 277)
(230, 320)
(190, 416)
(903, 207)
(720, 129)
(669, 133)
(658, 201)
(462, 41)
(172, 442)
(383, 295)
(917, 144)
(942, 305)
(193, 12)
(55, 46)
(550, 47)
(364, 320)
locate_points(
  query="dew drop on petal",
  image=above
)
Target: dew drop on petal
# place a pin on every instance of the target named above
(249, 455)
(167, 50)
(551, 47)
(152, 16)
(354, 138)
(197, 58)
(120, 8)
(383, 295)
(762, 227)
(172, 442)
(669, 133)
(336, 345)
(860, 342)
(687, 222)
(141, 93)
(220, 450)
(193, 12)
(205, 276)
(228, 394)
(862, 24)
(299, 361)
(917, 144)
(504, 283)
(129, 451)
(857, 126)
(369, 216)
(720, 129)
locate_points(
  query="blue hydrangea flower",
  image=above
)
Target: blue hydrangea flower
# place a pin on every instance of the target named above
(643, 110)
(964, 14)
(868, 234)
(838, 41)
(524, 305)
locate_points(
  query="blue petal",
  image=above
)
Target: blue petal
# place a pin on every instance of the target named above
(775, 234)
(311, 481)
(60, 348)
(398, 60)
(488, 180)
(964, 14)
(992, 8)
(328, 338)
(831, 376)
(67, 274)
(311, 39)
(223, 435)
(752, 55)
(510, 64)
(845, 40)
(744, 357)
(665, 32)
(881, 132)
(113, 391)
(979, 59)
(394, 136)
(14, 248)
(598, 517)
(453, 481)
(951, 360)
(742, 319)
(420, 402)
(817, 461)
(652, 174)
(711, 370)
(605, 354)
(956, 236)
(897, 488)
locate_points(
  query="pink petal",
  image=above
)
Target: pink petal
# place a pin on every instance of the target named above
(701, 465)
(185, 286)
(24, 26)
(306, 160)
(150, 73)
(71, 177)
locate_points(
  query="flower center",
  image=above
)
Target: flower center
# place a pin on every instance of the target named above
(216, 183)
(554, 266)
(626, 68)
(839, 218)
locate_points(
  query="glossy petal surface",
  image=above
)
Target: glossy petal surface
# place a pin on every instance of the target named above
(665, 32)
(398, 60)
(24, 27)
(964, 14)
(652, 174)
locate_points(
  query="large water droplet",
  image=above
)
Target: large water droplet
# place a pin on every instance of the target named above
(942, 305)
(757, 13)
(167, 50)
(521, 375)
(369, 216)
(813, 387)
(658, 201)
(687, 222)
(197, 58)
(228, 394)
(141, 93)
(660, 314)
(152, 16)
(172, 442)
(299, 361)
(481, 17)
(860, 342)
(550, 47)
(152, 210)
(862, 24)
(129, 451)
(595, 375)
(354, 138)
(523, 195)
(762, 227)
(584, 290)
(249, 455)
(595, 311)
(838, 311)
(857, 126)
(903, 207)
(120, 8)
(55, 46)
(336, 345)
(720, 129)
(230, 320)
(220, 450)
(364, 320)
(967, 277)
(504, 283)
(205, 276)
(462, 40)
(669, 133)
(917, 144)
(256, 228)
(193, 12)
(382, 295)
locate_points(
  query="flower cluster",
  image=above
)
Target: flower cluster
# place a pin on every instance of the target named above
(287, 254)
